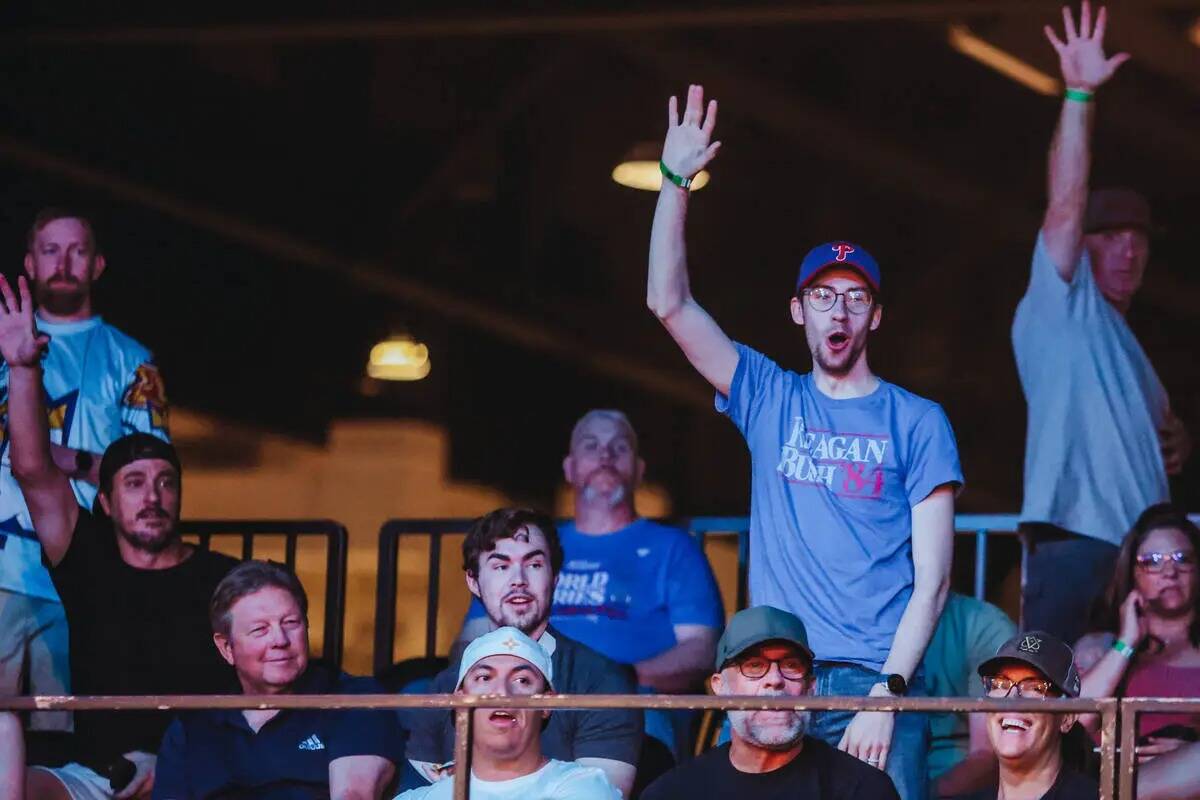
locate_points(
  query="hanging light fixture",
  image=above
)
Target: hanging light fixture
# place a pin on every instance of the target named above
(639, 169)
(399, 358)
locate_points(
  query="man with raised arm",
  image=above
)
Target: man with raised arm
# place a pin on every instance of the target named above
(136, 595)
(1101, 438)
(852, 478)
(100, 384)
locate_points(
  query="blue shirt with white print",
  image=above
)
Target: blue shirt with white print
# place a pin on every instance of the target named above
(833, 483)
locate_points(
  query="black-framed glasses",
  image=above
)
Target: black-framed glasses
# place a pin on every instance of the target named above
(1030, 688)
(858, 300)
(792, 668)
(1154, 562)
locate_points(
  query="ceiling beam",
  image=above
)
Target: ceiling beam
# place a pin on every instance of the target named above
(338, 30)
(826, 132)
(372, 276)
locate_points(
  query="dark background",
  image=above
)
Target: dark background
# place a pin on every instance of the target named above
(278, 186)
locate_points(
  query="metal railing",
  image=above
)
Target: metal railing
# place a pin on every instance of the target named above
(1130, 708)
(251, 532)
(462, 705)
(981, 526)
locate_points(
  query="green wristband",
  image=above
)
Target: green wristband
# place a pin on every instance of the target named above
(1125, 650)
(1079, 95)
(678, 180)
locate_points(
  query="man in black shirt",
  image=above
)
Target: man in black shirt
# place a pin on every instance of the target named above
(1029, 746)
(135, 594)
(764, 651)
(511, 558)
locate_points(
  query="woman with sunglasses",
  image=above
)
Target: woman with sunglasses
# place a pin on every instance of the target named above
(1147, 642)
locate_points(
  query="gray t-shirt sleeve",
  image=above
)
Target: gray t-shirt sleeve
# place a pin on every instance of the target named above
(614, 733)
(1048, 296)
(428, 731)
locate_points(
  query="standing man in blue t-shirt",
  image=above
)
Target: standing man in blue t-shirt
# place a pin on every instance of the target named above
(853, 478)
(100, 385)
(1101, 438)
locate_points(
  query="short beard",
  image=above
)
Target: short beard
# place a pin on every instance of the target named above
(610, 499)
(153, 545)
(525, 624)
(843, 369)
(60, 301)
(743, 723)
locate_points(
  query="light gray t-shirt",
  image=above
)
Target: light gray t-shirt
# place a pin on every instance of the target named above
(556, 780)
(1093, 461)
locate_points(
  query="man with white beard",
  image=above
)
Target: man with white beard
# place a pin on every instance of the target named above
(641, 593)
(764, 651)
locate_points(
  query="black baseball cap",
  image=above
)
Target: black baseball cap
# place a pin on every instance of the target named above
(1109, 209)
(1047, 654)
(756, 625)
(134, 447)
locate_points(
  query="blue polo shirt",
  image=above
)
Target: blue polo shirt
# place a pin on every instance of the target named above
(215, 754)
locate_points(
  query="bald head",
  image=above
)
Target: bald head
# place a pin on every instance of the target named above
(612, 417)
(602, 464)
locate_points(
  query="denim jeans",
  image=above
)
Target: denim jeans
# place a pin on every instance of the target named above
(910, 736)
(1064, 574)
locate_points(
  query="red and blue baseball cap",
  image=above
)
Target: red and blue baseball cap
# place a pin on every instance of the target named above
(838, 254)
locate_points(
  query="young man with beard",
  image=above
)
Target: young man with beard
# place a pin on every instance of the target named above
(506, 753)
(100, 384)
(1101, 438)
(852, 478)
(259, 617)
(638, 592)
(511, 558)
(764, 652)
(1032, 665)
(135, 594)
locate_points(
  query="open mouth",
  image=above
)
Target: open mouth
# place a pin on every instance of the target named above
(502, 719)
(837, 340)
(519, 600)
(1014, 725)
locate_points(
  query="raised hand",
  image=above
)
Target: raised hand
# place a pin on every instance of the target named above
(686, 150)
(20, 343)
(1132, 629)
(1081, 56)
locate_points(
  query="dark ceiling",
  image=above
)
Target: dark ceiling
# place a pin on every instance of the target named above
(277, 187)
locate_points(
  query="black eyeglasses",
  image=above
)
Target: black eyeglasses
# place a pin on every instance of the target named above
(792, 668)
(822, 298)
(1154, 562)
(1031, 688)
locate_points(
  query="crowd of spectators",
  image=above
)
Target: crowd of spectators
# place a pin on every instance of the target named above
(853, 488)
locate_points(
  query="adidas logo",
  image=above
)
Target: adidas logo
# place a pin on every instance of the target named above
(312, 743)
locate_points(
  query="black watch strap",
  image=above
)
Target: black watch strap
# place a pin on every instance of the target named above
(83, 462)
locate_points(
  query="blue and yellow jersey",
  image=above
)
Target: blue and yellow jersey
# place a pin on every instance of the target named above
(100, 384)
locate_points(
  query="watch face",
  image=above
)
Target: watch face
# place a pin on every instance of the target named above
(897, 685)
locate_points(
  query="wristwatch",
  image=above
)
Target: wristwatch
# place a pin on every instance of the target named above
(896, 685)
(83, 462)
